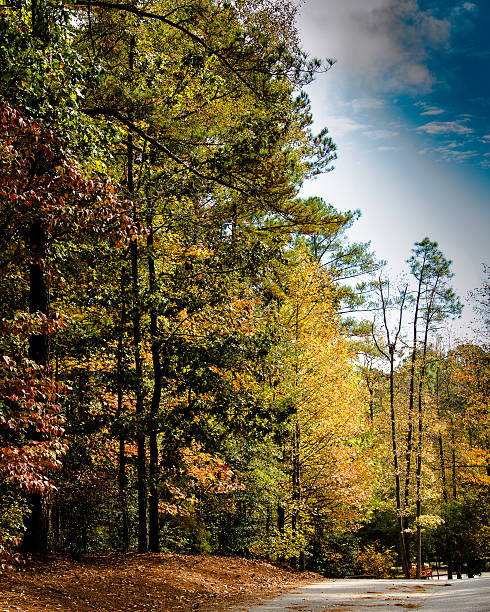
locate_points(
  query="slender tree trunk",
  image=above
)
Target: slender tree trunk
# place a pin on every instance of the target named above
(281, 515)
(418, 478)
(411, 402)
(136, 317)
(394, 447)
(296, 496)
(400, 510)
(371, 403)
(296, 461)
(440, 441)
(418, 473)
(140, 434)
(154, 539)
(35, 537)
(444, 482)
(421, 425)
(39, 297)
(122, 478)
(428, 316)
(443, 469)
(454, 495)
(453, 460)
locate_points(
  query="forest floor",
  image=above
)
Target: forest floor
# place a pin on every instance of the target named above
(149, 582)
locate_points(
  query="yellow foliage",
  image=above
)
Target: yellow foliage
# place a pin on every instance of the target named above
(376, 561)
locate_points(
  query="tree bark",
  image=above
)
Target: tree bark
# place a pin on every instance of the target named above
(122, 478)
(35, 537)
(136, 317)
(453, 460)
(443, 482)
(296, 461)
(296, 485)
(394, 446)
(411, 401)
(281, 517)
(440, 443)
(154, 541)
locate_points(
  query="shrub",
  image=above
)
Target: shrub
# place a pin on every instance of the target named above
(376, 561)
(11, 527)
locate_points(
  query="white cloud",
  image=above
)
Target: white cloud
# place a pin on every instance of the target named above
(381, 134)
(339, 125)
(445, 127)
(385, 42)
(433, 110)
(453, 155)
(386, 149)
(362, 104)
(466, 7)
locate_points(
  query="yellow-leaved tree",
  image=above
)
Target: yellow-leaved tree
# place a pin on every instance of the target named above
(323, 447)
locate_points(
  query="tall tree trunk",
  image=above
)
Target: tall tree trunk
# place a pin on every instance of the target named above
(371, 402)
(39, 297)
(35, 537)
(122, 478)
(136, 316)
(296, 459)
(428, 315)
(418, 479)
(140, 433)
(454, 491)
(453, 460)
(296, 493)
(411, 402)
(440, 442)
(418, 475)
(281, 514)
(394, 448)
(154, 540)
(443, 481)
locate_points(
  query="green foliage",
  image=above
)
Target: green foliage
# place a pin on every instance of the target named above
(380, 528)
(187, 535)
(433, 272)
(12, 509)
(334, 554)
(86, 505)
(465, 536)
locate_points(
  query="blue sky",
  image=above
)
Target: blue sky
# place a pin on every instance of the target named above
(408, 105)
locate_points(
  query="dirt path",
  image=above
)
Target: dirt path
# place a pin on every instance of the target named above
(143, 583)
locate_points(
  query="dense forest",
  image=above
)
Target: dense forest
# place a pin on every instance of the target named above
(194, 358)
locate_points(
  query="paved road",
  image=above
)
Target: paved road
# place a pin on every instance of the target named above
(467, 595)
